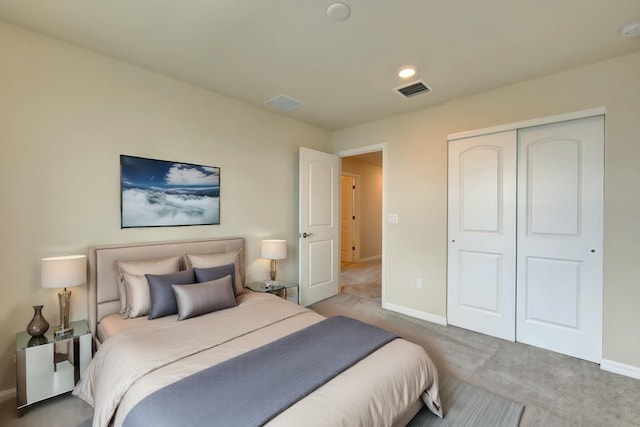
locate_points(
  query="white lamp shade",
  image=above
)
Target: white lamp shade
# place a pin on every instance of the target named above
(64, 271)
(273, 249)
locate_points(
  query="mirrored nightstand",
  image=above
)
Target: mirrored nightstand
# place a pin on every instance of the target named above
(47, 366)
(276, 287)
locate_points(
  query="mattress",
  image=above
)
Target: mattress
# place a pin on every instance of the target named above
(139, 356)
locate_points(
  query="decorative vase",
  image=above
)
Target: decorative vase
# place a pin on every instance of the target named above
(36, 341)
(38, 325)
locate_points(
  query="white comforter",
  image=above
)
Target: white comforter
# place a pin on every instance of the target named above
(374, 392)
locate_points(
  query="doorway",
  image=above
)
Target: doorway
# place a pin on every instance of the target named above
(362, 195)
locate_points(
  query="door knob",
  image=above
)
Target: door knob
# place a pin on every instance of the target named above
(305, 235)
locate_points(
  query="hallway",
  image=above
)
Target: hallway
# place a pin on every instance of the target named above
(363, 280)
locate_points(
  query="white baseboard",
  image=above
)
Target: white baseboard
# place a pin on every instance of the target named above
(620, 368)
(7, 394)
(415, 313)
(371, 258)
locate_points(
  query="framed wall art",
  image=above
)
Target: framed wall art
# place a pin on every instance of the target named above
(160, 193)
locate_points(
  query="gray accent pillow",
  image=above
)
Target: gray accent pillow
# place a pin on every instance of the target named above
(206, 297)
(163, 300)
(213, 273)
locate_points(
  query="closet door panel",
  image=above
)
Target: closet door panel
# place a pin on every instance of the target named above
(479, 281)
(553, 187)
(553, 292)
(559, 242)
(481, 233)
(479, 181)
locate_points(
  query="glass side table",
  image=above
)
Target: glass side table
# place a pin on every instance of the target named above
(47, 366)
(276, 287)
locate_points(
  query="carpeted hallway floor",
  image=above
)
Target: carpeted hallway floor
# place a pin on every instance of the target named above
(362, 280)
(556, 390)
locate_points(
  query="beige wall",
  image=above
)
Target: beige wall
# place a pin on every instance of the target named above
(370, 205)
(66, 115)
(417, 185)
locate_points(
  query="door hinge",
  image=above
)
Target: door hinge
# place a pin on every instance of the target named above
(353, 248)
(353, 217)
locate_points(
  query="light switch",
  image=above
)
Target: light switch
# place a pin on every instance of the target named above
(393, 218)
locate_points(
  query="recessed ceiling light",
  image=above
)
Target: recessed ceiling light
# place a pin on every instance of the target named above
(338, 11)
(406, 72)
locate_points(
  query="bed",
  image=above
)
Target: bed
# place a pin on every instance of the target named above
(256, 339)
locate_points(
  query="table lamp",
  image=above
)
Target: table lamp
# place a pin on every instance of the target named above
(64, 272)
(273, 250)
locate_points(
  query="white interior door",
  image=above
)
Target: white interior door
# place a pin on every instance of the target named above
(560, 237)
(319, 225)
(481, 232)
(347, 218)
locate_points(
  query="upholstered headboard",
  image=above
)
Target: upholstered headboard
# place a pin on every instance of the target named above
(103, 295)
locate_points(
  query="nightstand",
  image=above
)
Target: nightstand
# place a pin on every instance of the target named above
(48, 366)
(276, 287)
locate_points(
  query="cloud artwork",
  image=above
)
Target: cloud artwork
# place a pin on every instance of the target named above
(157, 193)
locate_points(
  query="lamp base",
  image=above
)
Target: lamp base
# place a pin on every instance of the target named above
(61, 332)
(64, 298)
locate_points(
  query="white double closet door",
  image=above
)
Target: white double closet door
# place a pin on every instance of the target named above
(525, 235)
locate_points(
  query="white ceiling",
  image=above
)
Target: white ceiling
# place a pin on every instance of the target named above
(343, 71)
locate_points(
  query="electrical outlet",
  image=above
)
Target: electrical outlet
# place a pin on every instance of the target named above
(393, 218)
(418, 283)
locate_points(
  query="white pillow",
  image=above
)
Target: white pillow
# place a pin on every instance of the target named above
(138, 299)
(215, 260)
(140, 268)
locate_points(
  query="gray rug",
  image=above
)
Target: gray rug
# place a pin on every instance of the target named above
(464, 405)
(468, 405)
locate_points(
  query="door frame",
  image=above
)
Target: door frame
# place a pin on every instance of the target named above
(364, 150)
(356, 212)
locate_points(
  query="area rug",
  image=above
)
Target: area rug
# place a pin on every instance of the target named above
(468, 405)
(464, 405)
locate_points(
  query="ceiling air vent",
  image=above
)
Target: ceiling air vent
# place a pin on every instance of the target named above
(284, 103)
(413, 89)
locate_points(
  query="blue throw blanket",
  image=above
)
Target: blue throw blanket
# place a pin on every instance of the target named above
(251, 389)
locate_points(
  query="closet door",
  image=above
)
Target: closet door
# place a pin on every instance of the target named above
(481, 234)
(560, 237)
